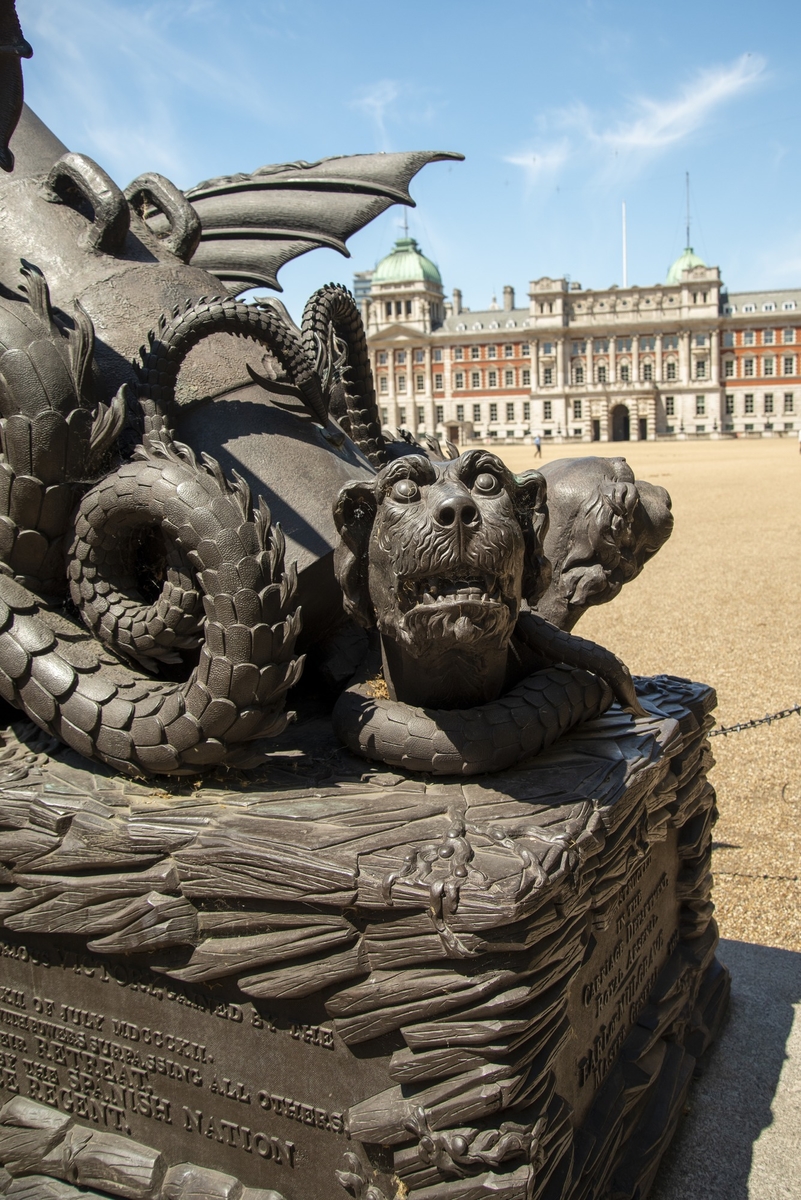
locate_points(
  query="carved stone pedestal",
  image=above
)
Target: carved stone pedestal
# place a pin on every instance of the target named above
(313, 978)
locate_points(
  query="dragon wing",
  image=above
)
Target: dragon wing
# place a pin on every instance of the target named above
(253, 224)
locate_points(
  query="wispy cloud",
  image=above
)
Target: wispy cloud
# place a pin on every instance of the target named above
(544, 161)
(375, 101)
(649, 128)
(123, 80)
(660, 124)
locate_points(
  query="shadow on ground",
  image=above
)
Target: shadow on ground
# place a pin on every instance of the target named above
(740, 1139)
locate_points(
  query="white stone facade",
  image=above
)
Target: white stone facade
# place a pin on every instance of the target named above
(683, 359)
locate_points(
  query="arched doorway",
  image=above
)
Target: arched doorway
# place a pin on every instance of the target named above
(620, 423)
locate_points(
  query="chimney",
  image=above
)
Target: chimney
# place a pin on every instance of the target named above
(457, 301)
(508, 298)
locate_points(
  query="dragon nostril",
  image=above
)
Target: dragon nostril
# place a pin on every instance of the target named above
(446, 515)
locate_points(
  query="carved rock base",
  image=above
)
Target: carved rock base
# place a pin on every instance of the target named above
(313, 981)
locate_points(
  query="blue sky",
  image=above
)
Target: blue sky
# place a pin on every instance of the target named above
(563, 110)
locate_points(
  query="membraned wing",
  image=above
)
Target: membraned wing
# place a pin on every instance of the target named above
(253, 224)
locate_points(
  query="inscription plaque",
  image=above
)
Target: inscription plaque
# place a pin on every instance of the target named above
(614, 983)
(192, 1072)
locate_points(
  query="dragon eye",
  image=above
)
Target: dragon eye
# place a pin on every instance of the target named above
(488, 485)
(406, 490)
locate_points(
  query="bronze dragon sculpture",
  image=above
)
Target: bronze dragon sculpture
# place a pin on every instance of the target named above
(129, 541)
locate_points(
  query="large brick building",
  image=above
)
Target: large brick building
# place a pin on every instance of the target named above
(683, 357)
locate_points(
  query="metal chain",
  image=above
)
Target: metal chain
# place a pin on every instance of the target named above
(766, 720)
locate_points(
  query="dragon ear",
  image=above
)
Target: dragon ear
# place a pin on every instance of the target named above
(530, 496)
(354, 512)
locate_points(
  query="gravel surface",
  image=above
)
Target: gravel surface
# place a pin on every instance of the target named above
(720, 603)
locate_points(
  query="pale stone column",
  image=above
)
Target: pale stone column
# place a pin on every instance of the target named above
(714, 357)
(612, 378)
(658, 359)
(635, 359)
(684, 357)
(588, 374)
(561, 353)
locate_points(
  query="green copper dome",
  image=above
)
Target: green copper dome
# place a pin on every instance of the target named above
(406, 264)
(687, 259)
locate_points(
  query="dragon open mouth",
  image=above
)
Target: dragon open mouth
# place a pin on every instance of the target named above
(439, 590)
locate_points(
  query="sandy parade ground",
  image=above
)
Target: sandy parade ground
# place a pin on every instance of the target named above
(721, 603)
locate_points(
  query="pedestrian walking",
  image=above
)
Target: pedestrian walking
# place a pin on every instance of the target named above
(538, 445)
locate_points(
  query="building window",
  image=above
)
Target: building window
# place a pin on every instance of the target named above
(623, 345)
(440, 410)
(525, 377)
(749, 402)
(578, 348)
(438, 382)
(458, 353)
(508, 352)
(647, 343)
(700, 368)
(388, 308)
(508, 379)
(768, 400)
(601, 346)
(398, 308)
(728, 338)
(670, 369)
(492, 378)
(700, 339)
(402, 414)
(475, 379)
(729, 404)
(459, 379)
(789, 365)
(421, 415)
(493, 413)
(578, 373)
(647, 372)
(547, 347)
(547, 376)
(419, 356)
(767, 337)
(400, 357)
(748, 337)
(419, 383)
(527, 410)
(382, 358)
(408, 308)
(459, 412)
(492, 351)
(788, 335)
(625, 372)
(700, 406)
(728, 368)
(670, 341)
(600, 373)
(788, 402)
(437, 354)
(577, 409)
(476, 412)
(768, 365)
(400, 383)
(384, 416)
(525, 350)
(475, 351)
(547, 410)
(670, 406)
(510, 412)
(748, 367)
(383, 385)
